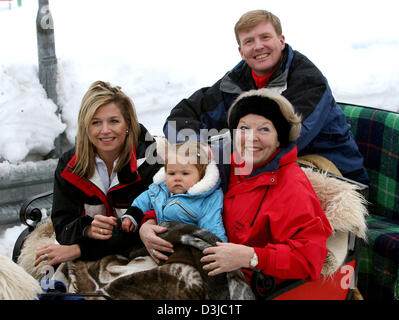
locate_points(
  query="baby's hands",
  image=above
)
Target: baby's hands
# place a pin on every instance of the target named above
(127, 225)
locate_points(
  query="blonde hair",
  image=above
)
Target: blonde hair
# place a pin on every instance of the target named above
(252, 18)
(196, 151)
(99, 94)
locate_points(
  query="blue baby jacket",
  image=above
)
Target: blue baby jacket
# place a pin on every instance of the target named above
(201, 205)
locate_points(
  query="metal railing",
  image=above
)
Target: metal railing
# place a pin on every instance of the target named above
(19, 182)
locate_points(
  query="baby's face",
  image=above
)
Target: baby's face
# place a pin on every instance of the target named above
(181, 176)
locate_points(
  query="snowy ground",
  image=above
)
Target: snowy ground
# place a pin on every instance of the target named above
(161, 51)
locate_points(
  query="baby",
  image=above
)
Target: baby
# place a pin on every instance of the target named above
(186, 190)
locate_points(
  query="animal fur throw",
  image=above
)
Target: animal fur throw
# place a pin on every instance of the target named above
(42, 235)
(16, 283)
(135, 275)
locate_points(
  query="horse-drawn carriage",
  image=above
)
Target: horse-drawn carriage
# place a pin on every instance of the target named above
(359, 256)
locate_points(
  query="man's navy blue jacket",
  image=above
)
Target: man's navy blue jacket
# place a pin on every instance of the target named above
(324, 131)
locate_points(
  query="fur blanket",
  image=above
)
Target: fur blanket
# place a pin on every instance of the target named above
(16, 283)
(135, 275)
(42, 235)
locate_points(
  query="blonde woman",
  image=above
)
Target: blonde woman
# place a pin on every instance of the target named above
(96, 181)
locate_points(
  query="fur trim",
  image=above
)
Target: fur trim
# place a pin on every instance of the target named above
(344, 206)
(345, 209)
(160, 176)
(210, 179)
(16, 283)
(42, 235)
(337, 246)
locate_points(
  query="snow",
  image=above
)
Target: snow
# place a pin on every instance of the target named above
(8, 235)
(161, 51)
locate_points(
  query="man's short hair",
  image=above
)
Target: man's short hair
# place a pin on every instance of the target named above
(252, 18)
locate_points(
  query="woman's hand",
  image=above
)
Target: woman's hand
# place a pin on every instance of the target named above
(226, 257)
(56, 253)
(101, 227)
(154, 244)
(127, 225)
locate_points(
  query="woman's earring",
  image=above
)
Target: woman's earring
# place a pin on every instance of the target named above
(127, 131)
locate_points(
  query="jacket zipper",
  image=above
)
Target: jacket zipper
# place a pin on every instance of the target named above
(169, 201)
(166, 197)
(187, 211)
(260, 204)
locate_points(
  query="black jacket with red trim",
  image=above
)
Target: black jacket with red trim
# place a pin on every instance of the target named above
(76, 200)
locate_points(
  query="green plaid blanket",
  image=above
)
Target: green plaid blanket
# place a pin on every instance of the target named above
(377, 134)
(378, 273)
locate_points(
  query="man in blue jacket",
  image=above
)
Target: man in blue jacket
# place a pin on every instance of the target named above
(267, 61)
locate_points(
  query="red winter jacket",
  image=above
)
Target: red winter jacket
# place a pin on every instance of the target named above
(276, 211)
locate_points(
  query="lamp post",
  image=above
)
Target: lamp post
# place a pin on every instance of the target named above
(47, 58)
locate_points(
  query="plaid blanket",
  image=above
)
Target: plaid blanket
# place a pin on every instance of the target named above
(377, 134)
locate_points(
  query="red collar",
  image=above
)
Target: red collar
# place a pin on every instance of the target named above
(91, 189)
(261, 82)
(241, 165)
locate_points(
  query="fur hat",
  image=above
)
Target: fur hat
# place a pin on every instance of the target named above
(270, 105)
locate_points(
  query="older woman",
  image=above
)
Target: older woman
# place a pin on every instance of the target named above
(273, 218)
(96, 181)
